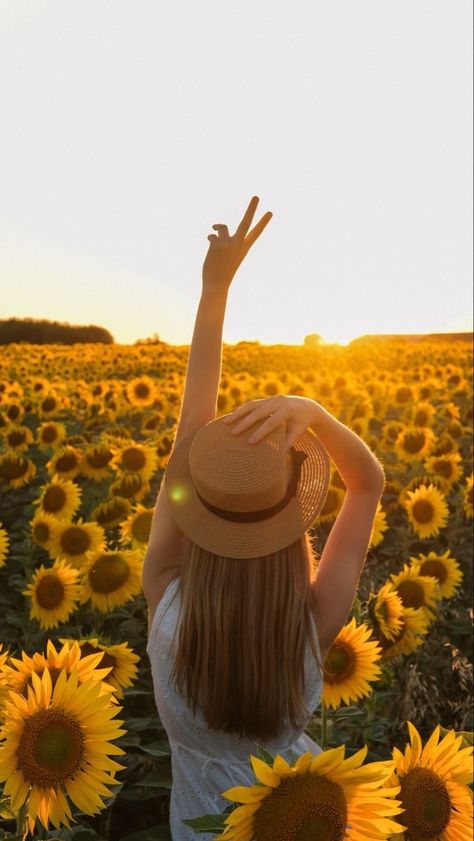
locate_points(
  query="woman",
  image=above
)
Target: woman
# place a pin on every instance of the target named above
(239, 621)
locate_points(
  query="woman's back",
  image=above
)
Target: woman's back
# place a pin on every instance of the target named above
(206, 762)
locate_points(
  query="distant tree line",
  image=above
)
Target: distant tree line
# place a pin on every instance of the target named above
(43, 332)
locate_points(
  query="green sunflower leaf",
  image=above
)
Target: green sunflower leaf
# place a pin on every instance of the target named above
(206, 823)
(265, 756)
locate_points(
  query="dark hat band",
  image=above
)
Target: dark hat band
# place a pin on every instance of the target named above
(298, 457)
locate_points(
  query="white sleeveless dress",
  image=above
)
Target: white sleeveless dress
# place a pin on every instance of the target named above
(205, 762)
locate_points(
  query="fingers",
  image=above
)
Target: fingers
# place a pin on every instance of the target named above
(263, 430)
(241, 231)
(240, 411)
(255, 232)
(256, 414)
(222, 230)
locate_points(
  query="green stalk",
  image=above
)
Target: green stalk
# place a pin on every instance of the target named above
(324, 726)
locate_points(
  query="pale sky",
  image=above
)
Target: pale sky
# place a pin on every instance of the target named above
(130, 128)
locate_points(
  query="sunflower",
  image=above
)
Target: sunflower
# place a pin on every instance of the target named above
(380, 526)
(350, 664)
(141, 391)
(416, 590)
(467, 493)
(435, 793)
(136, 458)
(422, 414)
(404, 395)
(136, 529)
(88, 667)
(414, 442)
(130, 486)
(4, 545)
(443, 568)
(446, 468)
(54, 594)
(112, 511)
(319, 797)
(18, 437)
(49, 405)
(119, 661)
(50, 435)
(112, 578)
(96, 460)
(15, 412)
(42, 528)
(332, 504)
(410, 636)
(415, 483)
(15, 470)
(451, 411)
(427, 510)
(386, 611)
(66, 463)
(444, 445)
(60, 497)
(390, 431)
(74, 541)
(56, 744)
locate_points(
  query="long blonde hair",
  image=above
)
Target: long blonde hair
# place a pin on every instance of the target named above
(243, 631)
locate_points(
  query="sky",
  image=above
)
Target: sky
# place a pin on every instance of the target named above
(130, 128)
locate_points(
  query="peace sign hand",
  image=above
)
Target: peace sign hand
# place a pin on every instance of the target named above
(227, 252)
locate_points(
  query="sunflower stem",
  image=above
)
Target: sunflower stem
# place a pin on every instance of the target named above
(370, 707)
(21, 828)
(324, 726)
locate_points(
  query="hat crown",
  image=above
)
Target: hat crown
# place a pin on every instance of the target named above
(234, 475)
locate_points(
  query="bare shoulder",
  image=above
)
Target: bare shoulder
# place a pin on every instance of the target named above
(155, 590)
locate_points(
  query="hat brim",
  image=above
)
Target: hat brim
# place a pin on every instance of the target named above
(247, 540)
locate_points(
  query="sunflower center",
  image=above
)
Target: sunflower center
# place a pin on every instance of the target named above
(411, 593)
(423, 511)
(141, 526)
(403, 394)
(51, 748)
(109, 573)
(54, 499)
(421, 418)
(48, 404)
(66, 462)
(142, 390)
(339, 663)
(75, 540)
(133, 459)
(13, 468)
(413, 442)
(16, 438)
(49, 434)
(303, 807)
(98, 458)
(41, 532)
(434, 568)
(426, 802)
(50, 592)
(384, 611)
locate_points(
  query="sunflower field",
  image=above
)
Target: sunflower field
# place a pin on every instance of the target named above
(85, 435)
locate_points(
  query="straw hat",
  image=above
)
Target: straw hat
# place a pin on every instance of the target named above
(245, 500)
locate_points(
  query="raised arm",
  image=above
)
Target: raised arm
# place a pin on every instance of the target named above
(203, 373)
(201, 387)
